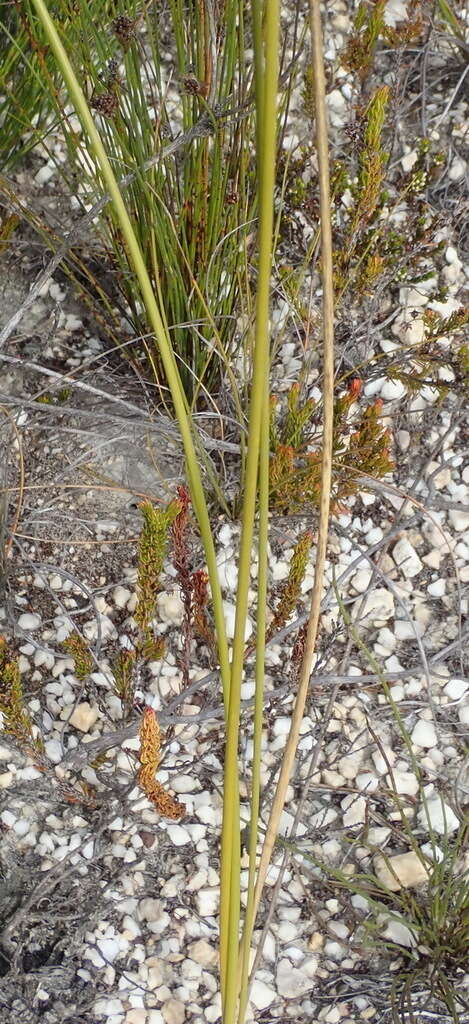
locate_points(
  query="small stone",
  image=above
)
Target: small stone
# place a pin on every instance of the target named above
(335, 1015)
(458, 518)
(292, 983)
(261, 995)
(109, 947)
(456, 689)
(316, 942)
(279, 571)
(120, 596)
(463, 714)
(184, 783)
(336, 103)
(440, 478)
(201, 952)
(29, 621)
(136, 1016)
(84, 716)
(178, 835)
(354, 808)
(437, 589)
(332, 779)
(456, 171)
(230, 615)
(398, 932)
(173, 1011)
(170, 608)
(433, 559)
(361, 580)
(207, 902)
(409, 329)
(53, 750)
(440, 815)
(350, 764)
(207, 814)
(383, 763)
(150, 909)
(407, 559)
(407, 867)
(374, 536)
(377, 606)
(393, 390)
(367, 782)
(424, 734)
(225, 535)
(281, 726)
(286, 825)
(107, 1007)
(405, 783)
(409, 160)
(406, 629)
(287, 931)
(44, 174)
(88, 850)
(387, 639)
(334, 949)
(107, 629)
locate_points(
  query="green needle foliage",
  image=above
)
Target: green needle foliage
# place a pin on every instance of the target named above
(360, 447)
(151, 554)
(193, 210)
(16, 718)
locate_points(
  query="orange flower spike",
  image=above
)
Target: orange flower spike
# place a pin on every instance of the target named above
(150, 739)
(355, 387)
(150, 750)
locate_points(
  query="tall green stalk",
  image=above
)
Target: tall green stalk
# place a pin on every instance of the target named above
(266, 103)
(326, 468)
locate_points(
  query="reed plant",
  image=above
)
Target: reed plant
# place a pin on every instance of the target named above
(193, 208)
(172, 228)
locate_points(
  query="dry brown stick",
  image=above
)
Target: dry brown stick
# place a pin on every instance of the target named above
(326, 471)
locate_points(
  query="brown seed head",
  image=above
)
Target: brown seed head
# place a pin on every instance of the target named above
(106, 103)
(124, 30)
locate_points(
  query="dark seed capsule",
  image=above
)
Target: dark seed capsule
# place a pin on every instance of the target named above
(124, 29)
(106, 104)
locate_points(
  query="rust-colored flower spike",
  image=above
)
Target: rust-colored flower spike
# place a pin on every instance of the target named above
(150, 749)
(355, 387)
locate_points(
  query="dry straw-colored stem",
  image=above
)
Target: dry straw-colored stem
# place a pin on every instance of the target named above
(326, 472)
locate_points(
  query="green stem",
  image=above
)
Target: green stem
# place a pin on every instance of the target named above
(245, 947)
(230, 869)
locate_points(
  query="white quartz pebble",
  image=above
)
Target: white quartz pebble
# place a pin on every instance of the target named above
(84, 716)
(441, 816)
(262, 995)
(406, 558)
(120, 596)
(29, 621)
(424, 734)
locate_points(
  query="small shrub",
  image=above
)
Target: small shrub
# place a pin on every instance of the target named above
(361, 448)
